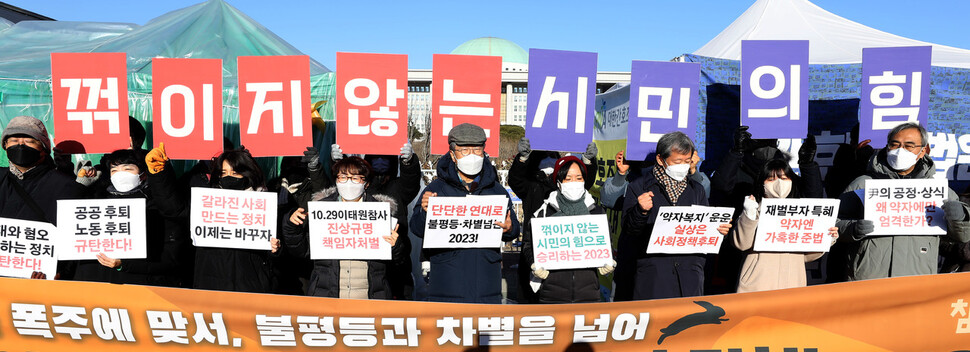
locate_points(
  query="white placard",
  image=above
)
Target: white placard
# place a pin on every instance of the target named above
(115, 227)
(350, 230)
(465, 222)
(688, 230)
(906, 207)
(232, 219)
(795, 225)
(571, 242)
(27, 246)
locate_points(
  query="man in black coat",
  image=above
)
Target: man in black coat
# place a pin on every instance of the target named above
(465, 275)
(31, 187)
(640, 275)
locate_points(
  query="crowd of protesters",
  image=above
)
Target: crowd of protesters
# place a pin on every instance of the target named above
(549, 183)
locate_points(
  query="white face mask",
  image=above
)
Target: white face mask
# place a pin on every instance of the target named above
(573, 190)
(677, 172)
(125, 181)
(778, 188)
(901, 159)
(471, 164)
(349, 190)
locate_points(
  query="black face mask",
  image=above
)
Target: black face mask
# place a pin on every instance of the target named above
(23, 155)
(229, 182)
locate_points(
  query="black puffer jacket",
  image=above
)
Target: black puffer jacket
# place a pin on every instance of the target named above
(403, 189)
(231, 269)
(325, 278)
(168, 246)
(569, 285)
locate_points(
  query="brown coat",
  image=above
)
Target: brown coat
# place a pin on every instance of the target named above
(764, 271)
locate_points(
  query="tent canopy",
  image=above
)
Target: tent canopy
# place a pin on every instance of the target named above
(212, 29)
(833, 39)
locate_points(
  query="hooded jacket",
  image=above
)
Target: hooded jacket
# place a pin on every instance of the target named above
(568, 285)
(325, 277)
(468, 275)
(891, 256)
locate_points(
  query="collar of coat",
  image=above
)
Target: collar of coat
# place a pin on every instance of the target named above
(330, 194)
(448, 171)
(552, 202)
(878, 168)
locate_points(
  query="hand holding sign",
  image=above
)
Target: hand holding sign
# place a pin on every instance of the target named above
(645, 202)
(274, 245)
(108, 261)
(392, 239)
(507, 225)
(424, 199)
(298, 216)
(724, 228)
(953, 211)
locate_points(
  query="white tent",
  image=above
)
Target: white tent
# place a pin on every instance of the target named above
(833, 39)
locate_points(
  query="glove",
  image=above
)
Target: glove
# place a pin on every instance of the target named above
(864, 227)
(806, 153)
(742, 138)
(524, 148)
(86, 173)
(540, 272)
(336, 153)
(62, 161)
(156, 159)
(425, 269)
(590, 153)
(606, 269)
(312, 158)
(406, 151)
(751, 208)
(954, 210)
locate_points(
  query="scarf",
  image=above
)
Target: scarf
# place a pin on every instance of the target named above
(673, 187)
(571, 207)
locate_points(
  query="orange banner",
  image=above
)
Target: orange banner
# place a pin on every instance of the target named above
(928, 313)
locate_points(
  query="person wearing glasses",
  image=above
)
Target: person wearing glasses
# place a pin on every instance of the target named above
(468, 275)
(356, 279)
(906, 156)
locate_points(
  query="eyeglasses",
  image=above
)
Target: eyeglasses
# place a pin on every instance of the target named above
(354, 179)
(466, 151)
(910, 146)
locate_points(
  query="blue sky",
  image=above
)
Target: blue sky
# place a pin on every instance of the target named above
(620, 31)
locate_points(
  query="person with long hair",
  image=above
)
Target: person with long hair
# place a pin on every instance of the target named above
(763, 271)
(231, 269)
(358, 279)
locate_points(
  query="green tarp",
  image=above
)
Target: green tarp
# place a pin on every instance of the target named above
(212, 29)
